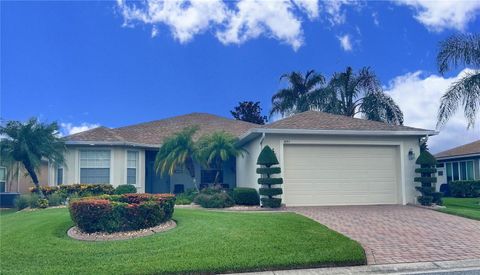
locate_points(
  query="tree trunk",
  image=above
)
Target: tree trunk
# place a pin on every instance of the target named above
(33, 175)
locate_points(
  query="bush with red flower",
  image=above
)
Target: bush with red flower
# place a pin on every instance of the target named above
(113, 213)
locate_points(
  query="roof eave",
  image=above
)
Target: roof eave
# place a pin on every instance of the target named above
(252, 133)
(458, 156)
(110, 143)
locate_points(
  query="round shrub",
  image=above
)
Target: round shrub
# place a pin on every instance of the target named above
(121, 212)
(217, 200)
(246, 196)
(125, 189)
(56, 199)
(22, 202)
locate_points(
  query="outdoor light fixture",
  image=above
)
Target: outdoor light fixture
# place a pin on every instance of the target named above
(411, 154)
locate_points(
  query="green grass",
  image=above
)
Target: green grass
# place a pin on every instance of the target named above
(464, 207)
(204, 241)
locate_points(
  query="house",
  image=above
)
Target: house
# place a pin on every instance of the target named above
(459, 163)
(325, 159)
(19, 181)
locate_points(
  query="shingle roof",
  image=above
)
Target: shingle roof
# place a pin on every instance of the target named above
(154, 132)
(463, 150)
(314, 120)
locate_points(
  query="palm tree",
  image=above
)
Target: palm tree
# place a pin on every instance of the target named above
(460, 50)
(217, 148)
(296, 98)
(178, 150)
(28, 143)
(349, 93)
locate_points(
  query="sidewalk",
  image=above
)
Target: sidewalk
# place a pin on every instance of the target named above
(441, 267)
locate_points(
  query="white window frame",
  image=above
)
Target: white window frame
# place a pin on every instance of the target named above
(5, 179)
(137, 169)
(95, 149)
(56, 175)
(459, 169)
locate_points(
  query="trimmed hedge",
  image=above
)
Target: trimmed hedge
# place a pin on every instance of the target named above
(425, 170)
(271, 202)
(121, 212)
(125, 189)
(465, 188)
(425, 179)
(216, 200)
(268, 170)
(246, 196)
(82, 190)
(270, 191)
(270, 181)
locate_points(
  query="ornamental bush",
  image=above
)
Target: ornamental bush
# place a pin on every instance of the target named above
(125, 189)
(209, 198)
(427, 164)
(246, 196)
(121, 212)
(81, 190)
(465, 188)
(267, 159)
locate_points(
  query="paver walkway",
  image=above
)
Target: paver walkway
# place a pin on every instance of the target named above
(401, 234)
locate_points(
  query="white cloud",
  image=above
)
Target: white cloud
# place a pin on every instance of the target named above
(440, 15)
(375, 19)
(334, 9)
(419, 98)
(232, 23)
(345, 42)
(70, 129)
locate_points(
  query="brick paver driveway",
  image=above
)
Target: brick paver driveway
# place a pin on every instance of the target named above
(401, 234)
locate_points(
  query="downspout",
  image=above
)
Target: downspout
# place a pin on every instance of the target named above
(261, 140)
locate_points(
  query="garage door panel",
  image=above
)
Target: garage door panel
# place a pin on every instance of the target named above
(339, 175)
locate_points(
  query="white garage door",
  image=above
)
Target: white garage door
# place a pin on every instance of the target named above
(340, 175)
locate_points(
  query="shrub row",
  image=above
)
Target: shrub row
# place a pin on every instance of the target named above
(112, 213)
(82, 190)
(465, 188)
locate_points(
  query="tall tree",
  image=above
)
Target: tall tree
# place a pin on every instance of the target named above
(460, 50)
(217, 148)
(349, 93)
(249, 111)
(297, 97)
(30, 142)
(178, 150)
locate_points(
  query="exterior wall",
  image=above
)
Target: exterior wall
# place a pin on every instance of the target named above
(246, 176)
(247, 165)
(21, 182)
(118, 166)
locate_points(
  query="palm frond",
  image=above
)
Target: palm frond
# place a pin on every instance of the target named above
(465, 91)
(460, 49)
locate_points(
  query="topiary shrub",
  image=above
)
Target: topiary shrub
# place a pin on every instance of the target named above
(246, 196)
(125, 189)
(427, 164)
(121, 212)
(267, 159)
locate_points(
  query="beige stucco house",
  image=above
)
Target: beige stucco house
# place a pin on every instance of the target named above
(325, 159)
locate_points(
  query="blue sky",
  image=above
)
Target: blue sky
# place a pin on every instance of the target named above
(87, 63)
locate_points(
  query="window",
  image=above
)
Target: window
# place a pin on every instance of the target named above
(132, 166)
(449, 172)
(460, 170)
(208, 176)
(59, 175)
(455, 171)
(3, 178)
(95, 166)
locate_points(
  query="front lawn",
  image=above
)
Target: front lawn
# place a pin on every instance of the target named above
(204, 241)
(465, 207)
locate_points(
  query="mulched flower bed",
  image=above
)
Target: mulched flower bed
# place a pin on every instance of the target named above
(75, 233)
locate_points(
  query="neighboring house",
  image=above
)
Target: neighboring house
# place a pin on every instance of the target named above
(459, 163)
(19, 181)
(325, 159)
